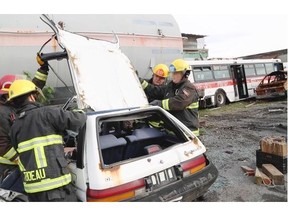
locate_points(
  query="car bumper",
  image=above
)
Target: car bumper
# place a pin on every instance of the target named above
(185, 189)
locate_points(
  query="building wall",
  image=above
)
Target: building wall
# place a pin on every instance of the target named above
(147, 39)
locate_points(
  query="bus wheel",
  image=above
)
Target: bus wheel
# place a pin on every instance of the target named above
(220, 98)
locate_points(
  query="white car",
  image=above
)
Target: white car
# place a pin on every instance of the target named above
(121, 155)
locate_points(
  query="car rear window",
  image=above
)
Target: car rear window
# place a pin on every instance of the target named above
(136, 135)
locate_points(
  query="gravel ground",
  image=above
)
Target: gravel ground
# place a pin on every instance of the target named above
(231, 135)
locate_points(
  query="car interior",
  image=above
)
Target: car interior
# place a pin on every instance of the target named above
(136, 135)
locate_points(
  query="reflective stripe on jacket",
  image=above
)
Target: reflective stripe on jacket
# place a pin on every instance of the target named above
(37, 137)
(40, 77)
(9, 157)
(7, 152)
(6, 161)
(47, 184)
(181, 100)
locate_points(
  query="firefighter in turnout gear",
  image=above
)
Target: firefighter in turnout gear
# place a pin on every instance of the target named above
(160, 74)
(8, 155)
(37, 137)
(179, 96)
(7, 152)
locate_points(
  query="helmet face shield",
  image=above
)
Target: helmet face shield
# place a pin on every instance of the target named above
(172, 68)
(40, 92)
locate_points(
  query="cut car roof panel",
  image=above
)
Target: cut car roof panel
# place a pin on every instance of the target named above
(103, 76)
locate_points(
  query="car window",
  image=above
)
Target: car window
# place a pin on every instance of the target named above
(136, 135)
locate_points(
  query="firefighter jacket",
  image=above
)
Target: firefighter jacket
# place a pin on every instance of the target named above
(40, 77)
(181, 100)
(151, 98)
(7, 116)
(37, 137)
(7, 152)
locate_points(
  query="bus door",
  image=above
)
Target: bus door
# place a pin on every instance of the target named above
(240, 78)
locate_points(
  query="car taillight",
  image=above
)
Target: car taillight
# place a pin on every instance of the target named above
(193, 166)
(118, 193)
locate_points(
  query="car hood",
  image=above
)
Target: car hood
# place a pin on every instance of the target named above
(103, 77)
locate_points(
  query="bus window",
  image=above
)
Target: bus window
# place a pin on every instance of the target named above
(202, 74)
(237, 78)
(249, 70)
(260, 69)
(221, 72)
(269, 67)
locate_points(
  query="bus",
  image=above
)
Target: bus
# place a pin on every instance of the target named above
(221, 81)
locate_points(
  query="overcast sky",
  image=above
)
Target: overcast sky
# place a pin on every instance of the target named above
(237, 35)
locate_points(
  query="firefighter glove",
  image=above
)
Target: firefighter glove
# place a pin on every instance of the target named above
(156, 103)
(43, 64)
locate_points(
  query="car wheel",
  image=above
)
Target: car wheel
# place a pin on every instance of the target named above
(220, 98)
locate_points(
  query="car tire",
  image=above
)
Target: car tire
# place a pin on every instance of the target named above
(220, 98)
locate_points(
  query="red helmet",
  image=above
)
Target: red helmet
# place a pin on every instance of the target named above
(5, 83)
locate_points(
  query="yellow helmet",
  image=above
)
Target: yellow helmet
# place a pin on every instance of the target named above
(179, 65)
(21, 87)
(161, 70)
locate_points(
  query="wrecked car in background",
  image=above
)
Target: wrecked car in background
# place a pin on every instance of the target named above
(272, 85)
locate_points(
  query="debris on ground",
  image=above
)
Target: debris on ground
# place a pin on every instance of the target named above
(261, 178)
(251, 104)
(248, 170)
(273, 150)
(274, 145)
(273, 173)
(238, 129)
(276, 110)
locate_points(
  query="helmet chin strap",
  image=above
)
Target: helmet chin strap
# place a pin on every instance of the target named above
(186, 73)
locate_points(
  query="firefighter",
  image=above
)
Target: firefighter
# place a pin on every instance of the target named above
(159, 77)
(160, 73)
(36, 135)
(179, 96)
(7, 116)
(7, 153)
